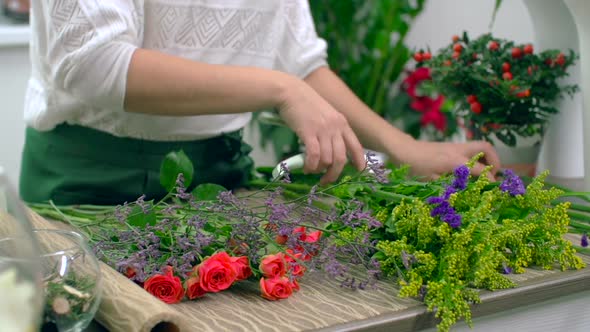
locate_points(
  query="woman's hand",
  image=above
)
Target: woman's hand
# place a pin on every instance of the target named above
(433, 159)
(325, 132)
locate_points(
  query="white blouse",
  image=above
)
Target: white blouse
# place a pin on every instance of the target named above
(81, 49)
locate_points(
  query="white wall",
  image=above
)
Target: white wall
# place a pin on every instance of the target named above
(14, 72)
(441, 19)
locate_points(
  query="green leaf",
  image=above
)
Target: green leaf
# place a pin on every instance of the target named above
(139, 219)
(207, 191)
(507, 138)
(209, 227)
(174, 163)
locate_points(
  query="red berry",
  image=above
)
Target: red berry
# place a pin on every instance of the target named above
(524, 94)
(474, 56)
(457, 47)
(494, 46)
(516, 52)
(476, 107)
(495, 126)
(455, 38)
(418, 57)
(528, 49)
(507, 76)
(505, 67)
(560, 59)
(456, 55)
(530, 70)
(471, 99)
(426, 56)
(447, 63)
(549, 62)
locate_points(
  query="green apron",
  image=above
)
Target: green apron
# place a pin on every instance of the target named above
(78, 165)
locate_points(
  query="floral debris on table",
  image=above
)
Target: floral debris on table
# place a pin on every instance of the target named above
(503, 88)
(438, 240)
(423, 111)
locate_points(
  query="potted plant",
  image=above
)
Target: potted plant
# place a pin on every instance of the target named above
(504, 91)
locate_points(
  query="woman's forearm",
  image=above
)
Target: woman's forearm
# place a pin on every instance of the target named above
(161, 84)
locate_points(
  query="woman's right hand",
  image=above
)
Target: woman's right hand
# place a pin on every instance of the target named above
(325, 132)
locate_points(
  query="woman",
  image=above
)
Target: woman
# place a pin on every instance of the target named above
(117, 84)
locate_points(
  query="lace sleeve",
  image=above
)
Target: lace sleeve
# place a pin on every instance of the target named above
(87, 46)
(301, 51)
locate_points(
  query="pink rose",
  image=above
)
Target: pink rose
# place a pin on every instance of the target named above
(241, 266)
(165, 287)
(273, 265)
(194, 289)
(276, 288)
(216, 273)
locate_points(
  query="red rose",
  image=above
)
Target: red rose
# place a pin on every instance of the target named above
(242, 267)
(216, 273)
(273, 265)
(292, 259)
(309, 238)
(165, 287)
(313, 237)
(276, 288)
(295, 285)
(130, 272)
(301, 231)
(194, 289)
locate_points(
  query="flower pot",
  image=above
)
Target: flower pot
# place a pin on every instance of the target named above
(522, 158)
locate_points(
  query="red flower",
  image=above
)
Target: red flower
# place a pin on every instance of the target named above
(411, 82)
(130, 272)
(436, 118)
(165, 287)
(294, 267)
(216, 273)
(242, 267)
(194, 289)
(312, 237)
(295, 285)
(273, 266)
(427, 104)
(276, 288)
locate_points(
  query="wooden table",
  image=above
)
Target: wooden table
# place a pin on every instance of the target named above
(322, 305)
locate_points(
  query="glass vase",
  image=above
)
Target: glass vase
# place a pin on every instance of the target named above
(71, 278)
(21, 288)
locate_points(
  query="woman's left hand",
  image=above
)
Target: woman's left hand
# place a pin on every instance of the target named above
(433, 159)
